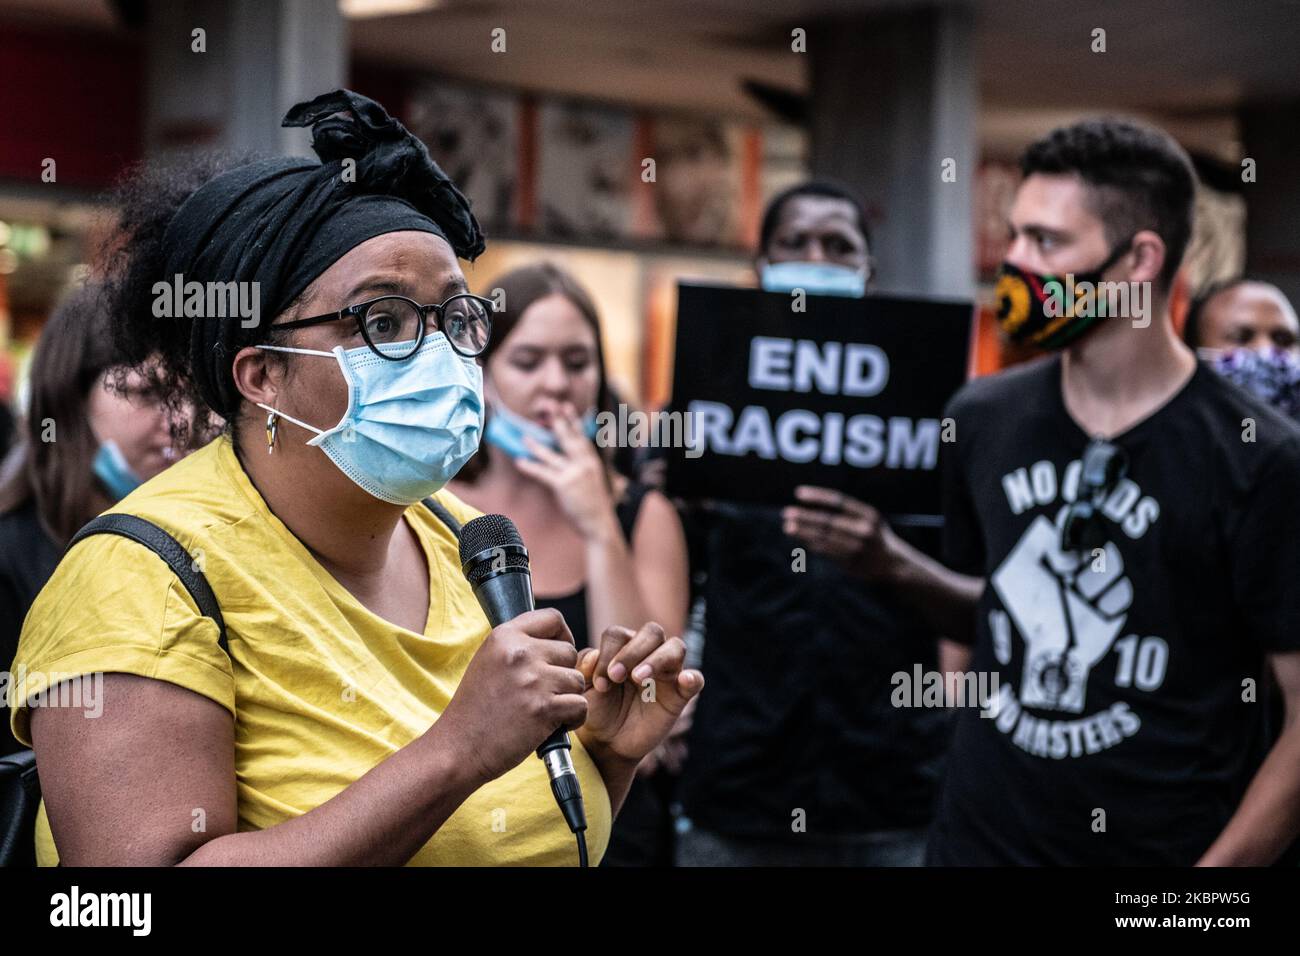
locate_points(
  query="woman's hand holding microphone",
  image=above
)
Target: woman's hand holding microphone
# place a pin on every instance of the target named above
(633, 685)
(520, 685)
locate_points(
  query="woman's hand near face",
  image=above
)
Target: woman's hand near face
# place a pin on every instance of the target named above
(575, 474)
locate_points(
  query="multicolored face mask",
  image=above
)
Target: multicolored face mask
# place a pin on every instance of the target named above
(1272, 376)
(1037, 309)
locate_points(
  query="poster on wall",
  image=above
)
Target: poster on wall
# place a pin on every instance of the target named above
(697, 181)
(473, 135)
(586, 169)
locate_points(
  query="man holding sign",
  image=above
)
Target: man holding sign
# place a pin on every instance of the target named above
(798, 755)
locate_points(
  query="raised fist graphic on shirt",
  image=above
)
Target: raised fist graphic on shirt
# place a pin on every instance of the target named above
(1068, 607)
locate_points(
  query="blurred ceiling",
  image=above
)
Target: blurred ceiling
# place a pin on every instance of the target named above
(1168, 55)
(1168, 58)
(1186, 64)
(1177, 55)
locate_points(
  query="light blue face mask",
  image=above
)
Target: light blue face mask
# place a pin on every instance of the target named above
(113, 472)
(409, 425)
(815, 278)
(506, 431)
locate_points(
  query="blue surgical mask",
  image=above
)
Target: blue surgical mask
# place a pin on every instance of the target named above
(815, 278)
(113, 472)
(506, 431)
(409, 425)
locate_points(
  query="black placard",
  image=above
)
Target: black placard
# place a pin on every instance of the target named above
(820, 390)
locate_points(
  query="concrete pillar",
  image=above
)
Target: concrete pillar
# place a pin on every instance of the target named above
(894, 95)
(260, 58)
(1271, 137)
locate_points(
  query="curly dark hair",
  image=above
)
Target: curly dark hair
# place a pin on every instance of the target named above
(1137, 176)
(158, 349)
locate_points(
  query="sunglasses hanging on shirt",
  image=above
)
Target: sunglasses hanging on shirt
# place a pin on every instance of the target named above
(1104, 465)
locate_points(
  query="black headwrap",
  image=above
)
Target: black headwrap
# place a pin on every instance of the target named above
(282, 222)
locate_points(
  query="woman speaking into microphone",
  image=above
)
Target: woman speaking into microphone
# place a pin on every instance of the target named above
(362, 712)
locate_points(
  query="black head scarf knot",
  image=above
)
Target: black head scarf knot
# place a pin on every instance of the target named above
(283, 222)
(345, 125)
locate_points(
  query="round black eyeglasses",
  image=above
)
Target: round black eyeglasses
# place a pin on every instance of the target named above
(394, 326)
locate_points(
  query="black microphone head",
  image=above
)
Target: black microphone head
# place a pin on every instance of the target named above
(490, 544)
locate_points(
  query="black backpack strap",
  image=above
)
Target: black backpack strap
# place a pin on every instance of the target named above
(445, 516)
(20, 800)
(169, 549)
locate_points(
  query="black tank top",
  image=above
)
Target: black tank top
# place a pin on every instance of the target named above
(574, 606)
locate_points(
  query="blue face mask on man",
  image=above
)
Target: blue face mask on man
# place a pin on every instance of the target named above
(815, 278)
(409, 426)
(114, 473)
(506, 431)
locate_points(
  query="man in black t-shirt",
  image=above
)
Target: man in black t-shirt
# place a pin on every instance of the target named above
(1129, 716)
(1136, 523)
(796, 754)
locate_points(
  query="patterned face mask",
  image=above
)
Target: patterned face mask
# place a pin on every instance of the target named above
(1272, 375)
(1024, 311)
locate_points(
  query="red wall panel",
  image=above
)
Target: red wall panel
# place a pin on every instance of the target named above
(77, 98)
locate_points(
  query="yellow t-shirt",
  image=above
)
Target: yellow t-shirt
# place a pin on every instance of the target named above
(321, 688)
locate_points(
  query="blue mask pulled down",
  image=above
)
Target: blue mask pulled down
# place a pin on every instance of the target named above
(815, 278)
(409, 425)
(111, 468)
(506, 431)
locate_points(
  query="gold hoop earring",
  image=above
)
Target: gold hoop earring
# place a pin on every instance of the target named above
(272, 423)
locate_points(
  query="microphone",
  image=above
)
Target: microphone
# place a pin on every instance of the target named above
(495, 562)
